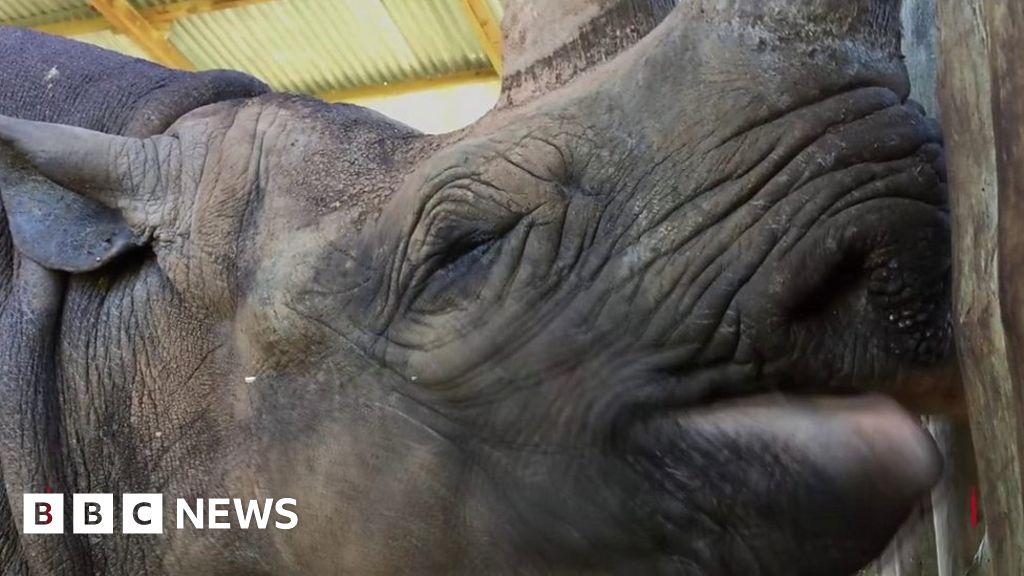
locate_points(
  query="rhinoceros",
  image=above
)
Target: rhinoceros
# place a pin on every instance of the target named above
(667, 309)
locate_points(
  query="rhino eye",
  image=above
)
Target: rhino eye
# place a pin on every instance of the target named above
(463, 258)
(457, 247)
(460, 247)
(458, 275)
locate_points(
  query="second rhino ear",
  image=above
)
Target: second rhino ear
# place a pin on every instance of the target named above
(55, 227)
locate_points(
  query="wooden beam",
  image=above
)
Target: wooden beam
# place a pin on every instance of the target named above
(983, 116)
(126, 19)
(71, 27)
(487, 30)
(957, 536)
(410, 86)
(166, 15)
(160, 17)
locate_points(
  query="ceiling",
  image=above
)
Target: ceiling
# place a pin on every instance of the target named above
(434, 64)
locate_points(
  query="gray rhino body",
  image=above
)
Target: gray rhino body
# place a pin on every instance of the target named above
(622, 325)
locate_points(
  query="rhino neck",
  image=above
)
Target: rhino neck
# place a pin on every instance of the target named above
(32, 435)
(548, 44)
(12, 559)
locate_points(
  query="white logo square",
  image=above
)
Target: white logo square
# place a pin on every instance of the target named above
(43, 513)
(92, 514)
(142, 513)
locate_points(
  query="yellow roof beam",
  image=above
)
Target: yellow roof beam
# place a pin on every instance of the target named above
(407, 87)
(124, 18)
(487, 29)
(160, 17)
(73, 27)
(166, 15)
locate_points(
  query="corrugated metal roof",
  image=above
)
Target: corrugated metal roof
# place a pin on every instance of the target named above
(308, 46)
(42, 11)
(320, 45)
(303, 45)
(497, 8)
(111, 41)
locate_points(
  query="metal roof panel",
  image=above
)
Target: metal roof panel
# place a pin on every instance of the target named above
(318, 45)
(112, 41)
(327, 47)
(35, 12)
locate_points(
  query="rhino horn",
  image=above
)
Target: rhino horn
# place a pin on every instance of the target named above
(547, 44)
(875, 23)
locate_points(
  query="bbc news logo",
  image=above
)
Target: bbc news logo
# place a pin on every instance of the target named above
(143, 514)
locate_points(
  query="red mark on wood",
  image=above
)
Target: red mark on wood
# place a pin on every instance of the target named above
(974, 506)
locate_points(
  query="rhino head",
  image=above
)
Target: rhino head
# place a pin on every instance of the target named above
(634, 320)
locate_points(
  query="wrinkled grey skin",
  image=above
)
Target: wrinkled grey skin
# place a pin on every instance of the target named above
(610, 329)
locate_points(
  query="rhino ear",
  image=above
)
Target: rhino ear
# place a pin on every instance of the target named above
(56, 228)
(76, 199)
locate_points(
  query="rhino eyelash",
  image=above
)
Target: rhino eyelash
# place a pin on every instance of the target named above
(454, 238)
(464, 251)
(452, 275)
(459, 247)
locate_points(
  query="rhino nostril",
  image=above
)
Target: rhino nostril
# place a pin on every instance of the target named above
(838, 284)
(887, 280)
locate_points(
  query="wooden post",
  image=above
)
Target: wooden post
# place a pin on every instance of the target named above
(956, 536)
(982, 99)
